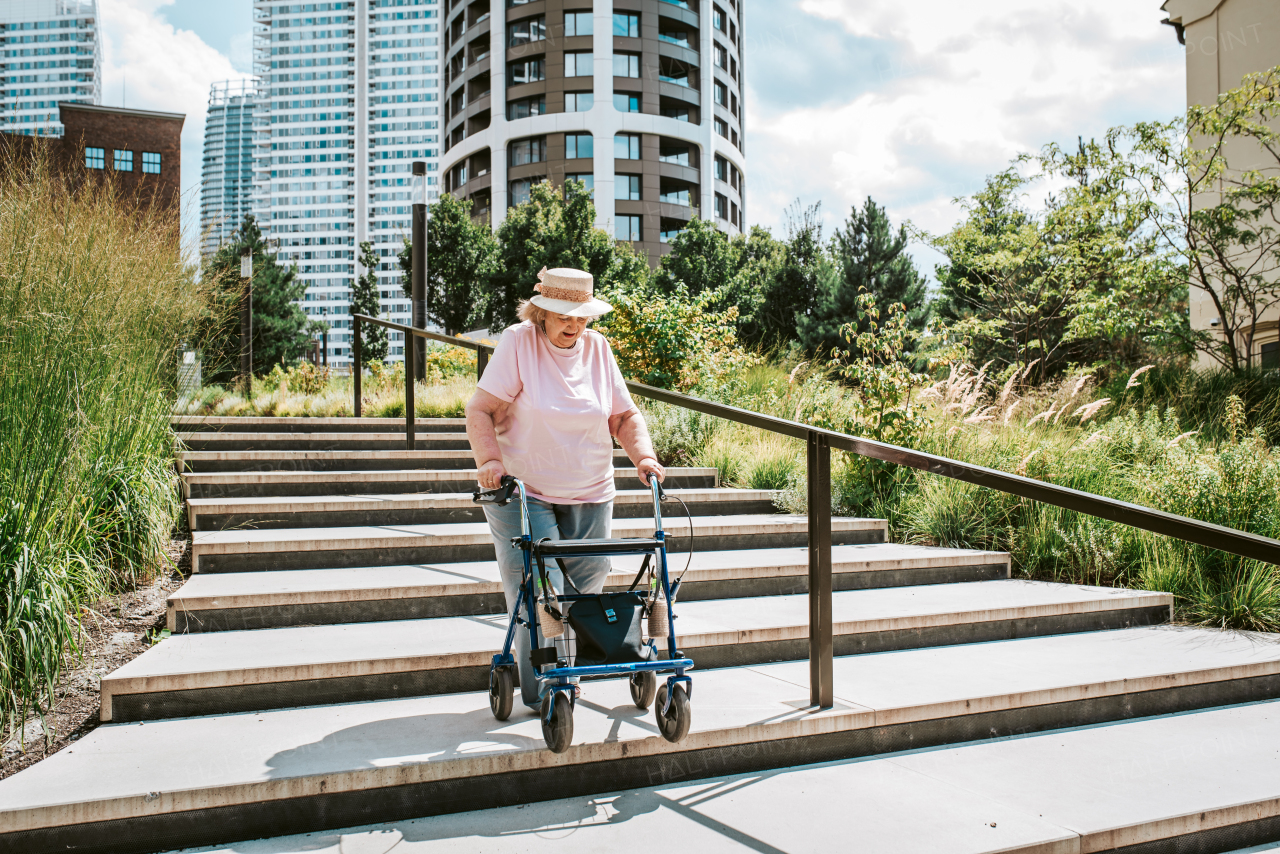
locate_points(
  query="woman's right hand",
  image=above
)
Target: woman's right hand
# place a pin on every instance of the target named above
(490, 474)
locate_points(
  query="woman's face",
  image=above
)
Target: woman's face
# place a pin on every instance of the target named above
(563, 330)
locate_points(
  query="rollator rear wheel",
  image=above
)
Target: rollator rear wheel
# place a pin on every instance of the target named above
(558, 733)
(674, 725)
(643, 686)
(501, 692)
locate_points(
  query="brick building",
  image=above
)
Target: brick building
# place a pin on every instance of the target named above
(140, 148)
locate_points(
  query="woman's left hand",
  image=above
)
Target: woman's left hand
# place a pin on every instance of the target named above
(650, 467)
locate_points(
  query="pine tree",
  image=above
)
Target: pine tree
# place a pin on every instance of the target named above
(364, 300)
(280, 334)
(865, 255)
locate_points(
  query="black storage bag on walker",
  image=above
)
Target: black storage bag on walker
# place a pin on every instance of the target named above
(608, 629)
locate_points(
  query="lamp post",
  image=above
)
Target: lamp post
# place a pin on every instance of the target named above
(418, 266)
(246, 320)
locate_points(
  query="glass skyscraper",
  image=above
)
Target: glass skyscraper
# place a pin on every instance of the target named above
(350, 97)
(226, 178)
(49, 52)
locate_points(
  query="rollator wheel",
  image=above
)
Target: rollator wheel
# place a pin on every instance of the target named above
(643, 686)
(501, 692)
(674, 725)
(559, 732)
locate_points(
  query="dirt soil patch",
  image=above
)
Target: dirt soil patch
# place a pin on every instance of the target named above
(117, 629)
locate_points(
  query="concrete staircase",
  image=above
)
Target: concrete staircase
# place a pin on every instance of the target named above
(330, 654)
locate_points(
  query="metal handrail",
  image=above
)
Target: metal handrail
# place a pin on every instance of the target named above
(820, 441)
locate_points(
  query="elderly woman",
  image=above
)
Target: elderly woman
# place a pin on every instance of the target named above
(547, 409)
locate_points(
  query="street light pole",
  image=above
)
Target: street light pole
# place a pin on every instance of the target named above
(418, 267)
(246, 320)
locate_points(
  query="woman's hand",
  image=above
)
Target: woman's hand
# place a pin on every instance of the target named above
(650, 467)
(490, 474)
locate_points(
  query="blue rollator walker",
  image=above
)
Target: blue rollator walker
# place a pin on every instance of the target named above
(607, 627)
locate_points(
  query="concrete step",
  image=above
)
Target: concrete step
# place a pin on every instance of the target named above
(209, 423)
(263, 484)
(226, 440)
(321, 548)
(1195, 782)
(223, 601)
(214, 514)
(273, 668)
(261, 461)
(142, 787)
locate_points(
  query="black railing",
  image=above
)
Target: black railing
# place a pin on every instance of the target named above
(819, 443)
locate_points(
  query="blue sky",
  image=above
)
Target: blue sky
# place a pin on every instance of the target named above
(912, 102)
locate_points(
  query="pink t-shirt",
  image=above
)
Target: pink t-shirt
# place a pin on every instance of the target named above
(555, 435)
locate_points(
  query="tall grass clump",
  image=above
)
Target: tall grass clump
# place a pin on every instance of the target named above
(95, 300)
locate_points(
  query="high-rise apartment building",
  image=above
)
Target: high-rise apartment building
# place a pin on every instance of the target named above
(640, 99)
(350, 97)
(226, 178)
(49, 52)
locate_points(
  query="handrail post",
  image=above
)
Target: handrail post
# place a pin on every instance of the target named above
(409, 374)
(482, 362)
(821, 663)
(355, 351)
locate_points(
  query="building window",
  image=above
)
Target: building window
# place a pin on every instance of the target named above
(676, 194)
(577, 24)
(628, 228)
(587, 179)
(722, 207)
(95, 158)
(520, 191)
(627, 26)
(577, 145)
(626, 102)
(526, 31)
(578, 102)
(674, 153)
(718, 18)
(123, 161)
(733, 137)
(626, 65)
(1270, 354)
(626, 188)
(721, 56)
(577, 64)
(532, 150)
(722, 168)
(526, 107)
(721, 93)
(626, 146)
(679, 113)
(733, 104)
(526, 71)
(733, 213)
(678, 37)
(733, 68)
(722, 128)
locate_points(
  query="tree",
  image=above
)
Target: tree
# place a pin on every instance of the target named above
(460, 256)
(788, 293)
(866, 257)
(702, 260)
(365, 300)
(1211, 183)
(556, 228)
(279, 325)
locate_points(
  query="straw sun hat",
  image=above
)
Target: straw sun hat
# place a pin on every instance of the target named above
(568, 291)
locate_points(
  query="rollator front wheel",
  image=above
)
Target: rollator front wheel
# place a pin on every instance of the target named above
(501, 692)
(674, 725)
(643, 686)
(558, 732)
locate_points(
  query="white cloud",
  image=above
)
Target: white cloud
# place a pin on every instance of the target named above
(167, 70)
(951, 92)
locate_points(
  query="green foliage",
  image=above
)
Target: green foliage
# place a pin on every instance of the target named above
(461, 256)
(556, 228)
(365, 300)
(96, 301)
(866, 257)
(787, 278)
(280, 333)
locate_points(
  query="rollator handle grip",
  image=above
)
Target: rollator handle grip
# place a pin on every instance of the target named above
(500, 496)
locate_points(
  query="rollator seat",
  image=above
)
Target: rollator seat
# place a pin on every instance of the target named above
(598, 548)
